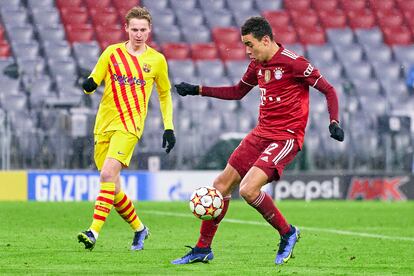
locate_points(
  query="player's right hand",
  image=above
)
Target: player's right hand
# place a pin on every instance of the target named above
(168, 140)
(185, 89)
(89, 85)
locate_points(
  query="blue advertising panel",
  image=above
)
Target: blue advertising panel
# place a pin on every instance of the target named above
(82, 185)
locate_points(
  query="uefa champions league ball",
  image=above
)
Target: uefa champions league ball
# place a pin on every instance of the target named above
(206, 203)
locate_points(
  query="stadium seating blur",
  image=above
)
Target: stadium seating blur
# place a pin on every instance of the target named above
(363, 47)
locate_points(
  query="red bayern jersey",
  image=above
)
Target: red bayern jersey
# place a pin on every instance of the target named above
(284, 101)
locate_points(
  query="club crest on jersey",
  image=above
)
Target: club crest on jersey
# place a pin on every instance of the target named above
(267, 75)
(146, 68)
(278, 73)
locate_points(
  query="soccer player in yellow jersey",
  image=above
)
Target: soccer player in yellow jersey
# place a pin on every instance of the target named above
(129, 70)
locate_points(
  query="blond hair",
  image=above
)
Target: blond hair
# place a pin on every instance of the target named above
(138, 13)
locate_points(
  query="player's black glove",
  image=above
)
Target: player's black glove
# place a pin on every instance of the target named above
(185, 89)
(336, 131)
(168, 140)
(89, 85)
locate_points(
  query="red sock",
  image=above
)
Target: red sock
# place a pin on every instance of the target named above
(209, 227)
(265, 205)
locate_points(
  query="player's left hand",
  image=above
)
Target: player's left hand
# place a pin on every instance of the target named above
(168, 140)
(336, 131)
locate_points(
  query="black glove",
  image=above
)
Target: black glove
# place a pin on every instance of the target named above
(185, 89)
(89, 85)
(336, 131)
(168, 137)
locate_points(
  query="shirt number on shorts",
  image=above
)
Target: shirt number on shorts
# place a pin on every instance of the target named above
(269, 149)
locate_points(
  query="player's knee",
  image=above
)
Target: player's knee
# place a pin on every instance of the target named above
(244, 192)
(248, 193)
(117, 188)
(219, 185)
(107, 176)
(223, 186)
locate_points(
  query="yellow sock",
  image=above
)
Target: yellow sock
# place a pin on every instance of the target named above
(125, 208)
(103, 205)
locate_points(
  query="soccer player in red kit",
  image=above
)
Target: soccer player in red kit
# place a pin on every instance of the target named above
(284, 79)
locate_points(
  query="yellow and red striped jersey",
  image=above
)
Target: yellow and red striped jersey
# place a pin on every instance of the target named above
(129, 80)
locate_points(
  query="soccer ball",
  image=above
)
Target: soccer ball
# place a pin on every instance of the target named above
(206, 203)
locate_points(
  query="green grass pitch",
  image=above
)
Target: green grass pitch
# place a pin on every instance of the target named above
(338, 238)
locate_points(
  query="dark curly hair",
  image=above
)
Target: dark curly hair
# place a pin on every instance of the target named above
(258, 27)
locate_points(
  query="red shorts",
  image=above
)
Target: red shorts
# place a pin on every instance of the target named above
(269, 155)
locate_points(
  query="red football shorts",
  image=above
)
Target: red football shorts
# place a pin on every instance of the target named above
(269, 155)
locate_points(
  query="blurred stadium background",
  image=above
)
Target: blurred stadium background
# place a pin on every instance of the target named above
(363, 47)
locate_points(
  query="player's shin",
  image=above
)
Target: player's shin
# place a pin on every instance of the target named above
(103, 205)
(209, 227)
(264, 205)
(126, 209)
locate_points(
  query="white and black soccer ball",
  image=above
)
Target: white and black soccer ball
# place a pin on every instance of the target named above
(206, 203)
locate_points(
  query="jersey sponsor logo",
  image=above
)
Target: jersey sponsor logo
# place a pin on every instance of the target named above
(308, 70)
(278, 72)
(384, 188)
(290, 54)
(267, 76)
(262, 95)
(146, 68)
(124, 79)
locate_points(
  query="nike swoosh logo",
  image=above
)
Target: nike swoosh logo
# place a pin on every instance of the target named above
(287, 258)
(120, 153)
(198, 259)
